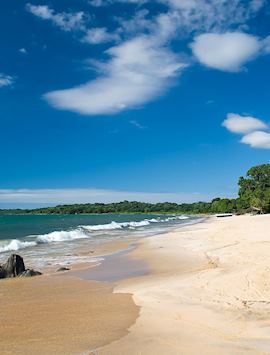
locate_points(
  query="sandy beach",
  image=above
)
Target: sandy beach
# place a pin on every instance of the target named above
(207, 291)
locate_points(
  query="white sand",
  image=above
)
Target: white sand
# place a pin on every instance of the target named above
(208, 293)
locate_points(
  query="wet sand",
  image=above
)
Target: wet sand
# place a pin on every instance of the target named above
(115, 267)
(61, 315)
(95, 252)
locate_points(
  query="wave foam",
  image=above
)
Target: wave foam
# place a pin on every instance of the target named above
(62, 236)
(133, 224)
(174, 218)
(16, 244)
(109, 226)
(81, 232)
(117, 225)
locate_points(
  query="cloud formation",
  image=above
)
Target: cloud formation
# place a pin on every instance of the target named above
(88, 195)
(65, 21)
(23, 50)
(227, 51)
(257, 139)
(252, 128)
(6, 80)
(142, 63)
(99, 35)
(214, 15)
(138, 71)
(242, 124)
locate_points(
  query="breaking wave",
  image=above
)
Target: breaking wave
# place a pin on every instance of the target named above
(131, 225)
(82, 232)
(16, 244)
(62, 236)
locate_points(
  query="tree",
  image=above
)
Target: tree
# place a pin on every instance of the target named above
(254, 189)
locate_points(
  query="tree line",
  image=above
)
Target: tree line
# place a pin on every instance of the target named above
(253, 195)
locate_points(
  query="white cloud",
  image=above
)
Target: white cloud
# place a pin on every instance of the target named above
(23, 50)
(98, 3)
(137, 124)
(242, 124)
(138, 71)
(252, 129)
(142, 66)
(228, 51)
(213, 15)
(99, 35)
(6, 80)
(88, 195)
(257, 139)
(256, 5)
(65, 21)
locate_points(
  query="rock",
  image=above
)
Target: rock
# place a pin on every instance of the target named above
(2, 273)
(63, 269)
(30, 273)
(15, 267)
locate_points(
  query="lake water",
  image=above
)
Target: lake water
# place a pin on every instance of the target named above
(46, 240)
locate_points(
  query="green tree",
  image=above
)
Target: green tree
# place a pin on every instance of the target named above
(254, 189)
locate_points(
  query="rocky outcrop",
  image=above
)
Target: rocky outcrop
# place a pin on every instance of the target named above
(14, 267)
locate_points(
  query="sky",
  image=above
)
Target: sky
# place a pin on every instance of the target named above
(106, 100)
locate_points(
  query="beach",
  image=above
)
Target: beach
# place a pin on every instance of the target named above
(208, 291)
(205, 290)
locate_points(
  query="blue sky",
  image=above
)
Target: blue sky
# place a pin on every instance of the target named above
(104, 100)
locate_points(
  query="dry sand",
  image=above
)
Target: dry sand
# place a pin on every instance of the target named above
(208, 293)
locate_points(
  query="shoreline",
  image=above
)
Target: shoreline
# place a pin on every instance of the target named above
(112, 248)
(84, 291)
(206, 290)
(67, 241)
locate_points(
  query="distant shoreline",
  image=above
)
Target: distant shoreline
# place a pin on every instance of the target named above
(107, 213)
(133, 207)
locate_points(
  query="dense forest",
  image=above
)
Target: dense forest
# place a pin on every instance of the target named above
(254, 195)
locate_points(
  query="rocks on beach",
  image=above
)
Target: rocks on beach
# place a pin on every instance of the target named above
(63, 268)
(14, 267)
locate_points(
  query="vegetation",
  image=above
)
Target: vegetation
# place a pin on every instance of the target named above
(254, 194)
(254, 190)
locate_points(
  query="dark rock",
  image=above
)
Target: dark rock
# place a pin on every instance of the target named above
(2, 272)
(63, 269)
(15, 267)
(30, 273)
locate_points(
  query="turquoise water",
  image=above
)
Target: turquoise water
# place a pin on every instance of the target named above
(18, 226)
(45, 240)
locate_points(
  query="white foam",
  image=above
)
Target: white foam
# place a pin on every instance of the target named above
(64, 260)
(109, 226)
(183, 217)
(61, 236)
(118, 225)
(82, 232)
(174, 218)
(154, 220)
(16, 244)
(132, 224)
(136, 224)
